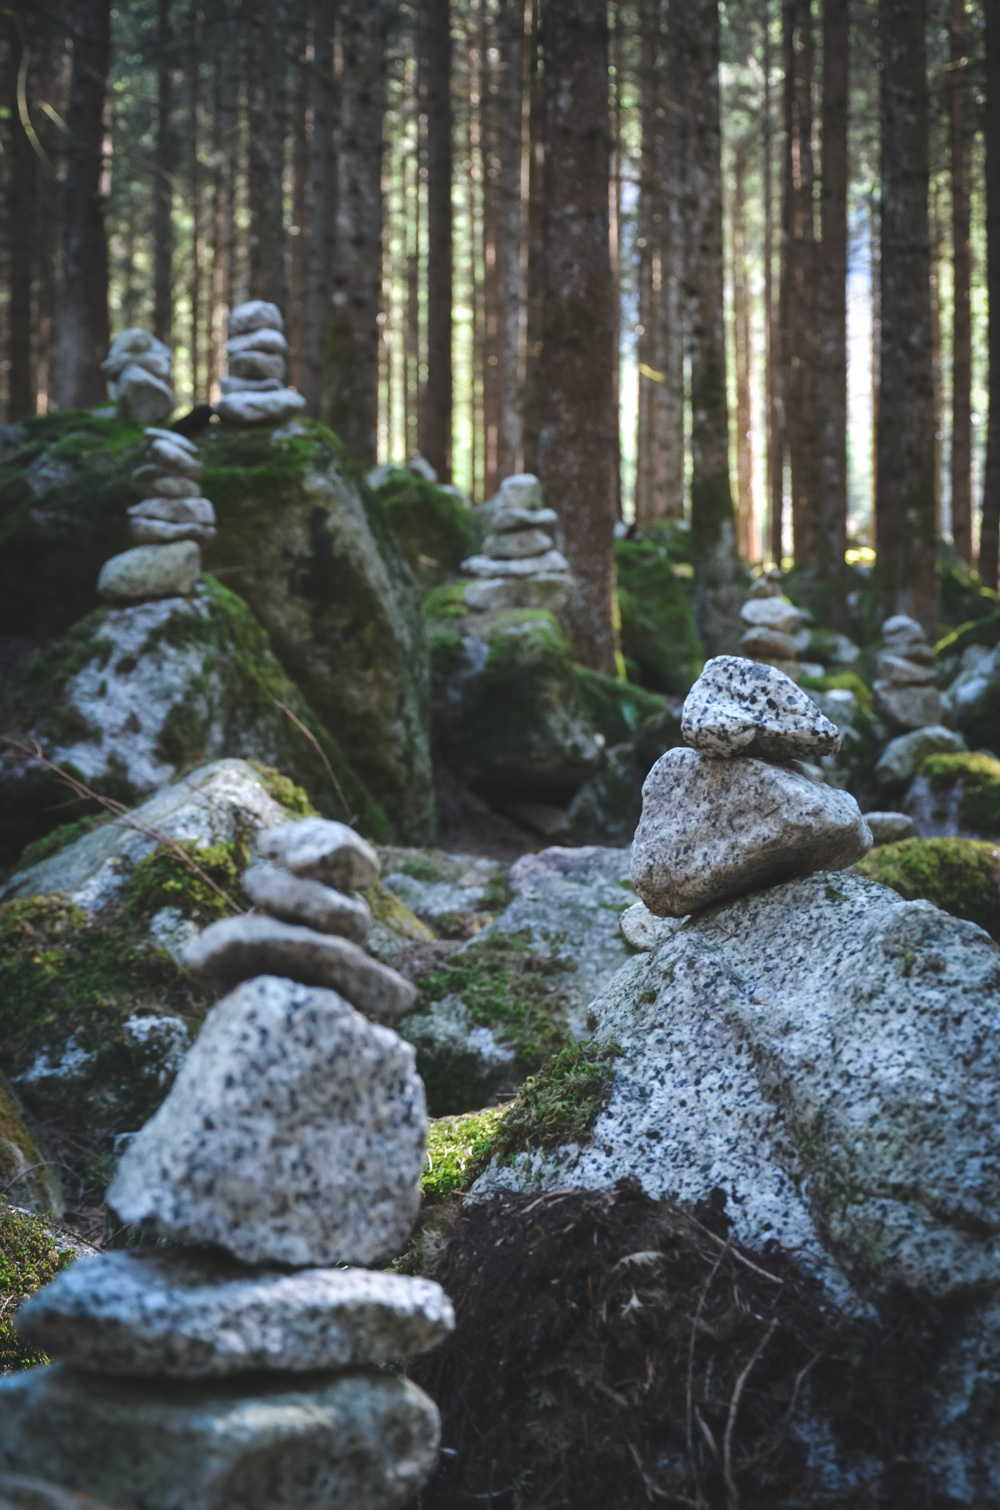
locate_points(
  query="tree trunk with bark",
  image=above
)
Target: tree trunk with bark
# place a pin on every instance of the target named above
(23, 170)
(906, 494)
(990, 537)
(509, 233)
(163, 182)
(436, 413)
(961, 379)
(577, 440)
(746, 525)
(320, 196)
(266, 149)
(84, 326)
(772, 328)
(535, 283)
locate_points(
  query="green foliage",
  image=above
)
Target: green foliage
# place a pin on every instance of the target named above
(979, 806)
(163, 879)
(657, 630)
(843, 681)
(616, 708)
(28, 1260)
(961, 876)
(446, 601)
(21, 1161)
(421, 869)
(434, 528)
(964, 595)
(562, 1102)
(284, 790)
(444, 646)
(458, 1150)
(984, 631)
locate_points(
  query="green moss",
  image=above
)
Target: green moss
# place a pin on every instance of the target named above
(446, 601)
(561, 1104)
(163, 879)
(979, 807)
(59, 838)
(434, 528)
(395, 918)
(421, 869)
(841, 681)
(445, 649)
(284, 790)
(961, 876)
(28, 1260)
(616, 708)
(985, 631)
(657, 630)
(458, 1150)
(21, 1162)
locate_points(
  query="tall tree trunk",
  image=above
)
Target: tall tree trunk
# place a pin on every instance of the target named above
(535, 287)
(509, 224)
(488, 112)
(577, 440)
(772, 329)
(831, 294)
(989, 546)
(717, 593)
(321, 198)
(266, 149)
(298, 230)
(745, 523)
(435, 440)
(84, 326)
(650, 479)
(22, 219)
(905, 501)
(350, 378)
(194, 171)
(961, 400)
(163, 181)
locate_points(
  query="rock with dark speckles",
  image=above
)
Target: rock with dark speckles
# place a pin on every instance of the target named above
(739, 707)
(295, 899)
(323, 851)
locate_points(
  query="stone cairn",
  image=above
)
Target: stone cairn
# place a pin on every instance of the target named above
(771, 621)
(254, 393)
(737, 811)
(904, 689)
(240, 1365)
(519, 566)
(137, 368)
(170, 523)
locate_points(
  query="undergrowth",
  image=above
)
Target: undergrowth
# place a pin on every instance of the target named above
(28, 1260)
(562, 1102)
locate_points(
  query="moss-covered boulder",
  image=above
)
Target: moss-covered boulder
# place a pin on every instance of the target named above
(433, 525)
(131, 698)
(961, 876)
(956, 795)
(661, 649)
(28, 1175)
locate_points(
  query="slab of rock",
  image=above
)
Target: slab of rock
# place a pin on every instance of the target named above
(294, 899)
(762, 643)
(740, 707)
(888, 828)
(156, 483)
(715, 829)
(20, 1493)
(255, 314)
(508, 517)
(236, 949)
(907, 707)
(902, 756)
(166, 453)
(549, 590)
(771, 613)
(900, 633)
(489, 566)
(264, 339)
(521, 490)
(189, 1313)
(153, 432)
(142, 395)
(515, 545)
(175, 509)
(321, 850)
(250, 385)
(247, 407)
(150, 572)
(900, 669)
(294, 1134)
(257, 364)
(147, 531)
(363, 1439)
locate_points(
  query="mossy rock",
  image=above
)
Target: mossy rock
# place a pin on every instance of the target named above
(458, 1150)
(964, 595)
(658, 637)
(961, 876)
(30, 1257)
(616, 708)
(433, 527)
(978, 776)
(27, 1172)
(561, 1103)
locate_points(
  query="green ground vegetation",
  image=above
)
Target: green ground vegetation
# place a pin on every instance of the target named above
(961, 876)
(446, 601)
(661, 649)
(841, 681)
(562, 1102)
(29, 1259)
(979, 773)
(458, 1150)
(22, 1162)
(434, 528)
(616, 708)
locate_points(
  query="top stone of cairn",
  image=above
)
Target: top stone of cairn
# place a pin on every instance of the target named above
(256, 314)
(321, 850)
(739, 707)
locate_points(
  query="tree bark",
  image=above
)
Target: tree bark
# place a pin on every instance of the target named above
(194, 180)
(577, 437)
(831, 292)
(436, 415)
(163, 184)
(84, 326)
(509, 228)
(320, 199)
(746, 530)
(489, 110)
(990, 534)
(772, 328)
(297, 231)
(266, 149)
(906, 494)
(22, 216)
(535, 285)
(961, 400)
(717, 592)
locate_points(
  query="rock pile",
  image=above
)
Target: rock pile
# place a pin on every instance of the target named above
(239, 1368)
(904, 690)
(254, 392)
(771, 620)
(519, 566)
(170, 522)
(137, 368)
(737, 811)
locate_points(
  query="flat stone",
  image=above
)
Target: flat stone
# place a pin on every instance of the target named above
(250, 385)
(293, 1134)
(771, 613)
(488, 566)
(156, 483)
(550, 590)
(763, 644)
(153, 432)
(903, 756)
(237, 949)
(515, 545)
(643, 930)
(714, 829)
(255, 314)
(148, 531)
(900, 628)
(149, 572)
(764, 587)
(175, 510)
(171, 457)
(901, 670)
(20, 1493)
(257, 364)
(188, 1313)
(323, 851)
(256, 408)
(142, 395)
(508, 517)
(739, 707)
(521, 490)
(352, 1441)
(271, 341)
(907, 707)
(888, 828)
(294, 899)
(130, 344)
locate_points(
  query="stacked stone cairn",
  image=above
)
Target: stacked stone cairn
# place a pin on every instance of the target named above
(241, 1364)
(519, 566)
(170, 522)
(137, 368)
(254, 393)
(771, 622)
(904, 689)
(737, 810)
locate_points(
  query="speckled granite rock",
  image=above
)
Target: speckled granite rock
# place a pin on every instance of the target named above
(488, 566)
(148, 572)
(293, 1134)
(771, 613)
(739, 707)
(295, 899)
(188, 1313)
(321, 850)
(349, 1441)
(236, 949)
(714, 829)
(248, 407)
(906, 706)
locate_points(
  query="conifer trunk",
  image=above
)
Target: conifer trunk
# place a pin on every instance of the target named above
(961, 401)
(831, 292)
(990, 536)
(163, 188)
(436, 410)
(266, 150)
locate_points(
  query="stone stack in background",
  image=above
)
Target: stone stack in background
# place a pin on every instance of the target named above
(241, 1368)
(772, 622)
(137, 368)
(519, 566)
(254, 392)
(170, 521)
(905, 690)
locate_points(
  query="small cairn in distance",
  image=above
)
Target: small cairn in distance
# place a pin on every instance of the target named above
(519, 566)
(254, 393)
(242, 1366)
(170, 523)
(771, 622)
(904, 690)
(137, 369)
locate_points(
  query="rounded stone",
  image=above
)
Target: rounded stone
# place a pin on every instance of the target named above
(271, 341)
(516, 545)
(149, 572)
(148, 531)
(294, 899)
(321, 850)
(255, 314)
(247, 407)
(257, 364)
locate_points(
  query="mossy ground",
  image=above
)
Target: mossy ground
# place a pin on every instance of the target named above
(28, 1260)
(562, 1102)
(458, 1150)
(433, 527)
(979, 808)
(961, 876)
(658, 639)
